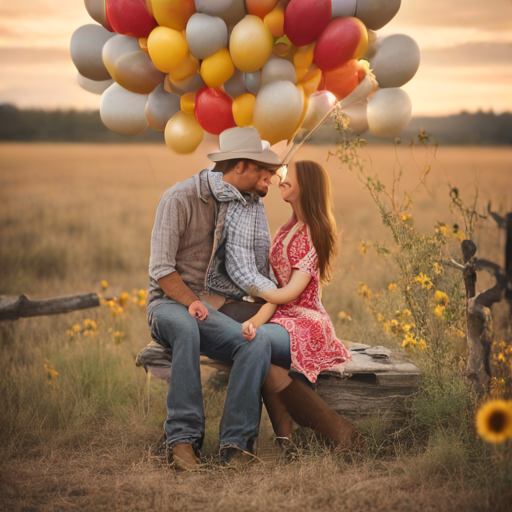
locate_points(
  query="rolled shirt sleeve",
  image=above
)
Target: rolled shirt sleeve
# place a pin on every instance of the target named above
(170, 225)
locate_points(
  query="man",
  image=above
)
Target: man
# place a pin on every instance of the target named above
(189, 284)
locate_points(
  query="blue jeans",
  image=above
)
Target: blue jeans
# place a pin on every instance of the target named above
(218, 337)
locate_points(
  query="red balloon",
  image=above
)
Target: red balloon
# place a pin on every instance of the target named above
(304, 20)
(343, 39)
(214, 110)
(130, 17)
(342, 81)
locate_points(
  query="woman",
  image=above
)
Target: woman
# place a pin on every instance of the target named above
(301, 257)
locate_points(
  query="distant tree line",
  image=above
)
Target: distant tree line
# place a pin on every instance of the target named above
(30, 125)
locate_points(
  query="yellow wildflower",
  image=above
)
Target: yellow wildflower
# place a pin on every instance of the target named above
(143, 294)
(494, 421)
(76, 328)
(342, 315)
(386, 326)
(438, 269)
(362, 247)
(118, 336)
(439, 311)
(111, 304)
(409, 341)
(444, 230)
(104, 284)
(125, 297)
(70, 333)
(118, 310)
(424, 280)
(364, 291)
(142, 302)
(392, 286)
(380, 318)
(460, 235)
(501, 357)
(422, 345)
(51, 372)
(90, 324)
(441, 298)
(406, 327)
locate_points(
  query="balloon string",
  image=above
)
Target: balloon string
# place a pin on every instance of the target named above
(361, 92)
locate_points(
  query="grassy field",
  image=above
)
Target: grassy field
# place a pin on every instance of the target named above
(81, 426)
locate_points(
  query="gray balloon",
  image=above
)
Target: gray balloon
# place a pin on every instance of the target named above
(123, 112)
(98, 12)
(161, 106)
(396, 61)
(117, 46)
(341, 8)
(86, 46)
(358, 117)
(377, 13)
(206, 35)
(191, 84)
(253, 81)
(92, 85)
(236, 12)
(213, 7)
(235, 86)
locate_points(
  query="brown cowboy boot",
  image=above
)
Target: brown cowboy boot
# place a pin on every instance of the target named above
(310, 410)
(184, 458)
(280, 418)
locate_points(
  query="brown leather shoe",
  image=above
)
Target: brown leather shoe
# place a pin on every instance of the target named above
(183, 458)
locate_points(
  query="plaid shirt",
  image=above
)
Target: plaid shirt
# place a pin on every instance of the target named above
(246, 236)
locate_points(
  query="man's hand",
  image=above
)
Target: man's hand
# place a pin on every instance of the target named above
(199, 310)
(248, 330)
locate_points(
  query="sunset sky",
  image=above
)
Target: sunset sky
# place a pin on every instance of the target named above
(466, 50)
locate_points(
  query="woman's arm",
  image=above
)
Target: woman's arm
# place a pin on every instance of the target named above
(298, 283)
(265, 313)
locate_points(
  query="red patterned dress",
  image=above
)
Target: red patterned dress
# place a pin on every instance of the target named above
(313, 343)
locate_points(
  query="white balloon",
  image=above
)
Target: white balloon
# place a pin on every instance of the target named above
(206, 35)
(86, 46)
(389, 112)
(97, 11)
(123, 112)
(343, 8)
(161, 106)
(358, 117)
(396, 60)
(277, 111)
(277, 69)
(235, 86)
(377, 13)
(93, 85)
(319, 104)
(253, 81)
(213, 7)
(117, 46)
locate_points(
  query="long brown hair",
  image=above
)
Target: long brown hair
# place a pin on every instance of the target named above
(316, 211)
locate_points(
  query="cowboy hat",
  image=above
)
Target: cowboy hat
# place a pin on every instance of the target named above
(244, 143)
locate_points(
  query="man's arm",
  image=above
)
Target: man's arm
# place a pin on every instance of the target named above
(174, 287)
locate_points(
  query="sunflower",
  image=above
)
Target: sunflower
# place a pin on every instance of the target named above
(494, 421)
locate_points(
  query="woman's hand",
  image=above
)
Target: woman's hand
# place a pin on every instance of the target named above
(249, 330)
(198, 310)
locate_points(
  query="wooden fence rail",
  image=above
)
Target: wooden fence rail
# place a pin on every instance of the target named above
(12, 308)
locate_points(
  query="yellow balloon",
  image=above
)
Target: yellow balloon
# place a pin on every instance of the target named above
(218, 68)
(167, 47)
(188, 102)
(250, 44)
(311, 80)
(185, 68)
(171, 13)
(303, 57)
(243, 109)
(183, 133)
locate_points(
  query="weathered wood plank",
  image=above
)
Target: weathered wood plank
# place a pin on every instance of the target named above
(22, 307)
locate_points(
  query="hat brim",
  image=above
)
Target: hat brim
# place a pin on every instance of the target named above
(266, 156)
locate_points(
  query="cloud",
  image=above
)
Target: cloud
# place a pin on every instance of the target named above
(496, 15)
(469, 55)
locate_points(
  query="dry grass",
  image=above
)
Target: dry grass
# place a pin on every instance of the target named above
(71, 215)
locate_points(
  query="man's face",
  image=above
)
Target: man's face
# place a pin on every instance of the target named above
(257, 177)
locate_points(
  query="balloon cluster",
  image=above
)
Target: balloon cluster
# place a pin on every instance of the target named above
(185, 67)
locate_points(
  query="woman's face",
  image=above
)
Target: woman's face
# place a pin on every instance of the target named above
(289, 187)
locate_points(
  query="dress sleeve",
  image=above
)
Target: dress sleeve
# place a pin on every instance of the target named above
(308, 258)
